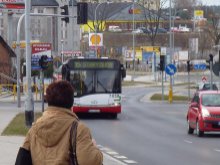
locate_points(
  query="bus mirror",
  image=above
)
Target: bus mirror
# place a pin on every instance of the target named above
(123, 71)
(65, 72)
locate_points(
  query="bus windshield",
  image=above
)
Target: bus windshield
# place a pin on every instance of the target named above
(95, 81)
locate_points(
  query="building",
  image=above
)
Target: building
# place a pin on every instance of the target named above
(63, 36)
(6, 62)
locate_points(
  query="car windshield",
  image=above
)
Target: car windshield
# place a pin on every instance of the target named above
(211, 100)
(208, 87)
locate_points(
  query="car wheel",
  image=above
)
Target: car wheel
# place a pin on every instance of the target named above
(190, 129)
(199, 133)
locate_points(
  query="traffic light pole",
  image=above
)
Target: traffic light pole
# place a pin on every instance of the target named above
(162, 86)
(19, 53)
(29, 103)
(42, 88)
(188, 71)
(211, 71)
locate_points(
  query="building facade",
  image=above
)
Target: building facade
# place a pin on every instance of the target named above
(63, 36)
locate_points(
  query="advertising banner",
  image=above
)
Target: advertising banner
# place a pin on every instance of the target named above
(38, 50)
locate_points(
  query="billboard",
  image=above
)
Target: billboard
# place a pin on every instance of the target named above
(38, 50)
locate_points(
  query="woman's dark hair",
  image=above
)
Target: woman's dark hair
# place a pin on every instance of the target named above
(60, 94)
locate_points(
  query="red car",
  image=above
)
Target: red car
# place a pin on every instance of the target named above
(204, 112)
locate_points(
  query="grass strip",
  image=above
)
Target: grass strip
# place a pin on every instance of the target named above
(17, 125)
(157, 96)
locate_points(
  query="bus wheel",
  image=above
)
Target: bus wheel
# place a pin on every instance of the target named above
(114, 115)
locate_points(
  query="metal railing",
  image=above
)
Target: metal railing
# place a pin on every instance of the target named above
(11, 89)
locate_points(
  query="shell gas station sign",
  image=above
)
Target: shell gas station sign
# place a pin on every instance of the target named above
(96, 39)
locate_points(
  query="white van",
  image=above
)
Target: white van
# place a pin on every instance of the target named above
(114, 29)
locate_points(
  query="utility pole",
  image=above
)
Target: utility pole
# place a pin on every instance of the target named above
(171, 53)
(133, 39)
(29, 103)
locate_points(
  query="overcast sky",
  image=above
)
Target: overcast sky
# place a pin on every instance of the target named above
(211, 2)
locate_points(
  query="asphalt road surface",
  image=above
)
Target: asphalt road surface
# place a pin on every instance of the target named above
(152, 133)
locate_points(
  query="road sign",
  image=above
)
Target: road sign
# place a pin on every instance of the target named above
(199, 66)
(204, 78)
(170, 69)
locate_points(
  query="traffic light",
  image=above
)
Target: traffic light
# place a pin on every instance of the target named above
(209, 62)
(162, 63)
(188, 66)
(65, 12)
(82, 13)
(43, 62)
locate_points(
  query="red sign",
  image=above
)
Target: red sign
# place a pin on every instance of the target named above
(40, 47)
(204, 79)
(12, 6)
(12, 1)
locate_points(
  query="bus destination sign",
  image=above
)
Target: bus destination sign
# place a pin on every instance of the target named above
(94, 64)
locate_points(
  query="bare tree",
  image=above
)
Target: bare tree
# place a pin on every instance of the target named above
(99, 15)
(214, 29)
(152, 18)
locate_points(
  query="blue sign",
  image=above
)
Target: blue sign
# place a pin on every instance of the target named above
(199, 66)
(170, 69)
(35, 62)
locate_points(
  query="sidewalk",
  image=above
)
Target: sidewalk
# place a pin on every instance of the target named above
(9, 145)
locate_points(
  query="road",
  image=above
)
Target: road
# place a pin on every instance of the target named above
(153, 133)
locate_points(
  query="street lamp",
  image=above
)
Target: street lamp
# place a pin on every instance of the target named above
(96, 26)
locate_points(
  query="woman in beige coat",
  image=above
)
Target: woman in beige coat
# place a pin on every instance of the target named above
(48, 138)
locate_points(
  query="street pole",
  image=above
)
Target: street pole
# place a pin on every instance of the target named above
(72, 25)
(19, 53)
(29, 103)
(133, 39)
(42, 88)
(19, 61)
(96, 29)
(62, 58)
(171, 53)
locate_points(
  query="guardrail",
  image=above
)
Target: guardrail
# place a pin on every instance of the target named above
(12, 90)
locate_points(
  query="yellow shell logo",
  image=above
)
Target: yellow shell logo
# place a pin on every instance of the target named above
(95, 39)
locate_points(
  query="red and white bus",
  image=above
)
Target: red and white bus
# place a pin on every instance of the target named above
(97, 84)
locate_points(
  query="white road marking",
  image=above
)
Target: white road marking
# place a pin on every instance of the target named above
(187, 141)
(112, 153)
(217, 150)
(120, 157)
(130, 161)
(115, 156)
(113, 159)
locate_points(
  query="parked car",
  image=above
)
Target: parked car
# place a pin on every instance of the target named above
(161, 30)
(138, 31)
(144, 29)
(204, 112)
(114, 29)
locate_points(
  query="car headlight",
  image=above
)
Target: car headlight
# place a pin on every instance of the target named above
(205, 112)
